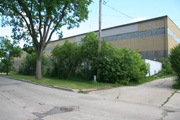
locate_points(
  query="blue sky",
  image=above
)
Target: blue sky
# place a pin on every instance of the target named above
(132, 10)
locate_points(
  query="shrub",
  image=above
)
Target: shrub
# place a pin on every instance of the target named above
(8, 51)
(166, 66)
(28, 66)
(114, 65)
(122, 66)
(66, 59)
(89, 53)
(175, 60)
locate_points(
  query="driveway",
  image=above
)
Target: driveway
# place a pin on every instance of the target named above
(25, 101)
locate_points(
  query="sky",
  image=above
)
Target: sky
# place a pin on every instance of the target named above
(119, 12)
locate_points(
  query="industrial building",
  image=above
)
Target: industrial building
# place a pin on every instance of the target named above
(153, 38)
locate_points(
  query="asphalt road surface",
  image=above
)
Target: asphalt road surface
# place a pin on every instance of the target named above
(25, 101)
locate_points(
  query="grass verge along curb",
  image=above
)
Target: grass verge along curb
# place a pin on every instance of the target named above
(56, 87)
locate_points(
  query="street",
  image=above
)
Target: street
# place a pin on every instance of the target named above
(26, 101)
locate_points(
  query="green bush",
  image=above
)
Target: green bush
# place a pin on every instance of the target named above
(65, 59)
(113, 66)
(8, 51)
(166, 66)
(175, 60)
(89, 53)
(7, 65)
(28, 66)
(122, 66)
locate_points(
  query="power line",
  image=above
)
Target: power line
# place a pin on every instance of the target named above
(118, 11)
(94, 17)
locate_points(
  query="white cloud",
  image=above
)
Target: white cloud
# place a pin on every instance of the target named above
(138, 19)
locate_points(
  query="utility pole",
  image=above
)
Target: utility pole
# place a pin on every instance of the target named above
(99, 45)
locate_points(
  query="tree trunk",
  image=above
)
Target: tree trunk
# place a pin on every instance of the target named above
(7, 70)
(38, 64)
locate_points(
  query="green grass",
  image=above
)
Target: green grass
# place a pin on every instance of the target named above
(74, 83)
(150, 78)
(169, 98)
(80, 83)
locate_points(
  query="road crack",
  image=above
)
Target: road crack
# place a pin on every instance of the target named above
(169, 98)
(168, 110)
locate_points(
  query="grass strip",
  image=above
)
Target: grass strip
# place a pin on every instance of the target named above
(79, 84)
(75, 83)
(169, 98)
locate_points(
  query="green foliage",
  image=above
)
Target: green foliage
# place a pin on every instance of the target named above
(166, 66)
(28, 66)
(177, 85)
(42, 14)
(28, 48)
(37, 20)
(6, 65)
(66, 59)
(114, 65)
(89, 53)
(8, 50)
(123, 66)
(175, 60)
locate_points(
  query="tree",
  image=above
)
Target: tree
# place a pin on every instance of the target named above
(8, 50)
(175, 60)
(37, 20)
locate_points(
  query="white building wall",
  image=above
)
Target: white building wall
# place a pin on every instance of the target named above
(155, 67)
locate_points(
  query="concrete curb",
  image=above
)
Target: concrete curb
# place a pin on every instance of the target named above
(55, 87)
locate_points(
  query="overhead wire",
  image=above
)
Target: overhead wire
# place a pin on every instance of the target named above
(105, 3)
(93, 18)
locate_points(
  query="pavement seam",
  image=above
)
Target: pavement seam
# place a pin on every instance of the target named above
(169, 98)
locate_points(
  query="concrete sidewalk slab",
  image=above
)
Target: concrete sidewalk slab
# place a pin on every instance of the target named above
(174, 101)
(152, 93)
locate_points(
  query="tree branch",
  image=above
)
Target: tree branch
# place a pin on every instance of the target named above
(31, 6)
(63, 14)
(47, 32)
(44, 32)
(28, 13)
(25, 21)
(40, 24)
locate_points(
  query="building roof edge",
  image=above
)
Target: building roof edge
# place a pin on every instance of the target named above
(161, 17)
